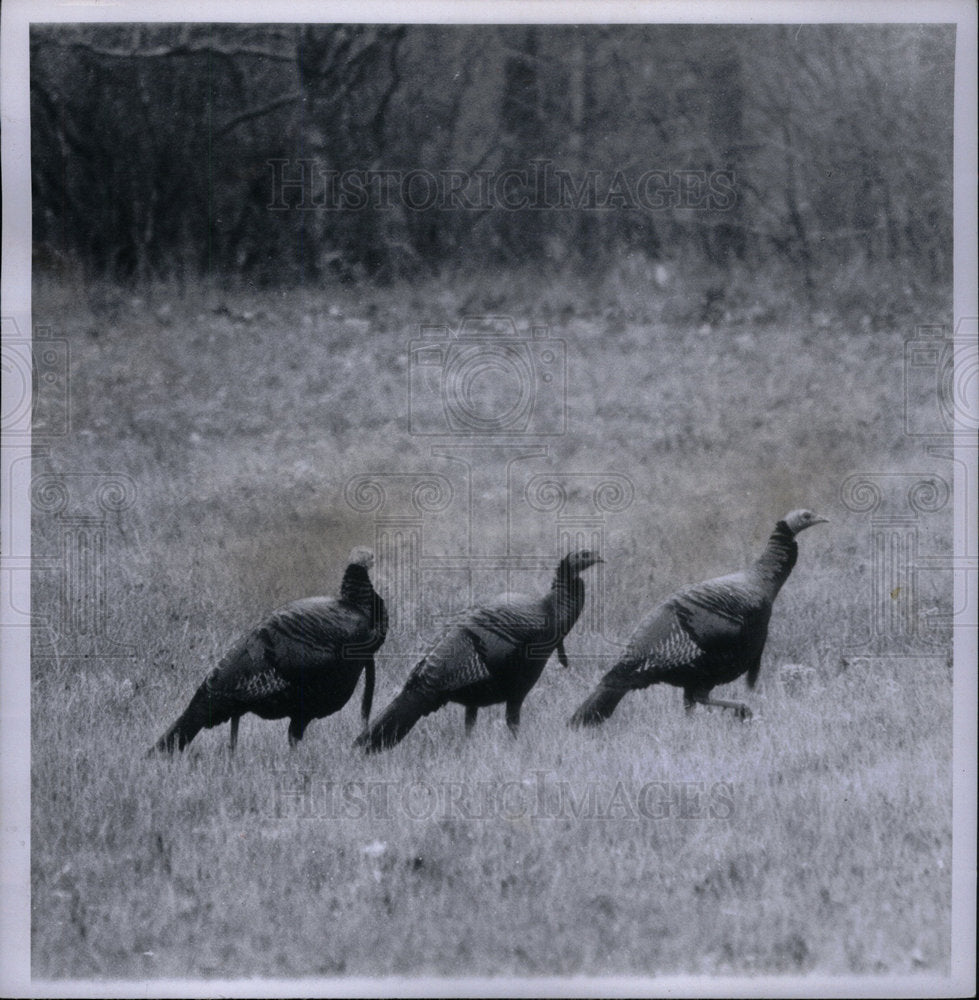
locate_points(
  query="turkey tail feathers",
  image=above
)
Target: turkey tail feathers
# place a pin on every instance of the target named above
(178, 735)
(198, 715)
(597, 707)
(395, 722)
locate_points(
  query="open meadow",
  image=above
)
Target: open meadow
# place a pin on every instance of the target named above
(815, 838)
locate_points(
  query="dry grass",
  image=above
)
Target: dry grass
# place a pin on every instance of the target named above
(821, 838)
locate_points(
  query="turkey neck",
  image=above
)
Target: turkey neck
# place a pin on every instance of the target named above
(776, 562)
(356, 587)
(567, 596)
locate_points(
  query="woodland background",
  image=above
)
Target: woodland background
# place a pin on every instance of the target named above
(213, 374)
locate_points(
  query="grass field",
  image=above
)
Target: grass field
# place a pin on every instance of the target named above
(815, 838)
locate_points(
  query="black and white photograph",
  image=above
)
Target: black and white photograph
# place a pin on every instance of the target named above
(489, 499)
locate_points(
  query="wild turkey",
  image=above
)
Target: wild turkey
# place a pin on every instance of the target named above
(492, 654)
(707, 634)
(303, 662)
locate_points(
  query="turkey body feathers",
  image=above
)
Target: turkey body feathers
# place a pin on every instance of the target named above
(491, 654)
(494, 654)
(707, 634)
(302, 662)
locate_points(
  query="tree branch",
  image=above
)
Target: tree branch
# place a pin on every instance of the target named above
(264, 109)
(160, 51)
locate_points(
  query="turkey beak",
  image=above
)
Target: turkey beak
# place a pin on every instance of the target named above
(820, 520)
